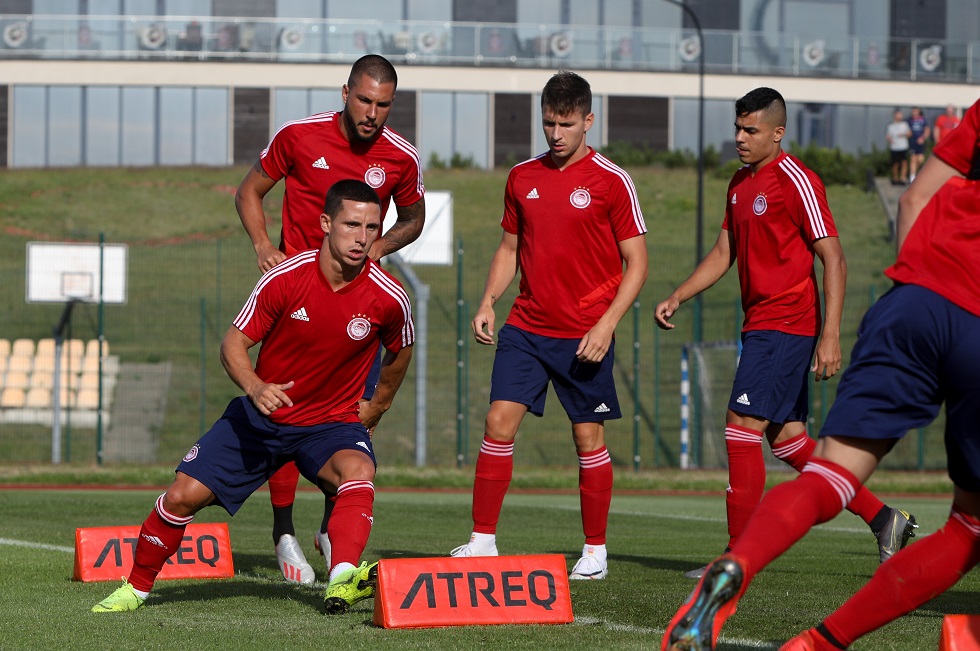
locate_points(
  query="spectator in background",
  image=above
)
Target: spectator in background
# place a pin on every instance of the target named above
(945, 123)
(917, 143)
(897, 133)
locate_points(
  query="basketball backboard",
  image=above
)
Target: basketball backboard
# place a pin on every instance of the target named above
(59, 272)
(435, 244)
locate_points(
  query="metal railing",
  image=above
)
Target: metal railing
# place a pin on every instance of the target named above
(168, 38)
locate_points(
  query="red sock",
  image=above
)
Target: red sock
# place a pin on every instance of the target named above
(595, 482)
(912, 577)
(790, 509)
(160, 536)
(494, 469)
(350, 523)
(746, 477)
(282, 485)
(798, 450)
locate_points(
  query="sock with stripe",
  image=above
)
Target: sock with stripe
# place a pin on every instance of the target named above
(494, 470)
(350, 523)
(746, 477)
(595, 482)
(790, 509)
(912, 577)
(160, 536)
(798, 450)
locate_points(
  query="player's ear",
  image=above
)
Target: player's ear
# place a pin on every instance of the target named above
(778, 133)
(344, 92)
(589, 119)
(325, 223)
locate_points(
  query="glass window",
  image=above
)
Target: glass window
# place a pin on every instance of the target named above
(430, 10)
(535, 12)
(211, 127)
(376, 10)
(140, 7)
(176, 120)
(138, 128)
(326, 99)
(187, 8)
(583, 12)
(64, 126)
(290, 104)
(102, 125)
(471, 134)
(29, 127)
(434, 138)
(619, 13)
(305, 8)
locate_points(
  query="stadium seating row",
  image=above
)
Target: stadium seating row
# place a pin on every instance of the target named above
(27, 374)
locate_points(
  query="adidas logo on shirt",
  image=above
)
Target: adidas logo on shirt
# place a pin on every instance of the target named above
(733, 198)
(533, 194)
(601, 409)
(743, 399)
(321, 163)
(300, 314)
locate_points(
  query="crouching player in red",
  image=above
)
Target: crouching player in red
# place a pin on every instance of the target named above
(321, 315)
(917, 348)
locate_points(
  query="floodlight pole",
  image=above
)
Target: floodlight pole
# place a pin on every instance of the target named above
(699, 229)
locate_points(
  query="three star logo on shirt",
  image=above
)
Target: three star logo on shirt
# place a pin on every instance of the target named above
(533, 194)
(321, 163)
(300, 314)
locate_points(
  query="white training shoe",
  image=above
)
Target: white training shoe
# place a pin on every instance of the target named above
(292, 562)
(469, 549)
(322, 543)
(589, 567)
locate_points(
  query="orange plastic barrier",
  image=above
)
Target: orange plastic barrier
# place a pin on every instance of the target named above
(106, 553)
(960, 633)
(432, 592)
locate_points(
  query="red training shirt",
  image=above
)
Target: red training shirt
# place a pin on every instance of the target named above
(942, 250)
(775, 217)
(569, 223)
(313, 154)
(324, 341)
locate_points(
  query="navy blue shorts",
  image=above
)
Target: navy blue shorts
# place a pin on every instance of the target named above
(915, 350)
(244, 448)
(772, 377)
(525, 363)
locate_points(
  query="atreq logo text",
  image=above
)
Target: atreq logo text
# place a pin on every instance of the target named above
(477, 589)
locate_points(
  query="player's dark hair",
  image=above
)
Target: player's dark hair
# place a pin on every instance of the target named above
(348, 190)
(374, 66)
(767, 100)
(565, 93)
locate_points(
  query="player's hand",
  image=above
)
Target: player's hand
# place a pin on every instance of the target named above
(594, 345)
(664, 311)
(268, 397)
(268, 256)
(369, 416)
(482, 325)
(827, 361)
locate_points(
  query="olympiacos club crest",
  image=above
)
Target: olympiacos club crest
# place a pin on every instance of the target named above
(759, 205)
(375, 176)
(358, 328)
(580, 198)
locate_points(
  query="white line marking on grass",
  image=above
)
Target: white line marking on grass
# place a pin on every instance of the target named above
(34, 545)
(658, 632)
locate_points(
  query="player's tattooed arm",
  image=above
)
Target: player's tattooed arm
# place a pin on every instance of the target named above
(404, 231)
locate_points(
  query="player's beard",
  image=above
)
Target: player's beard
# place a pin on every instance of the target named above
(352, 130)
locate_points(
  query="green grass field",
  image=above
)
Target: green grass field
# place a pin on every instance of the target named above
(653, 539)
